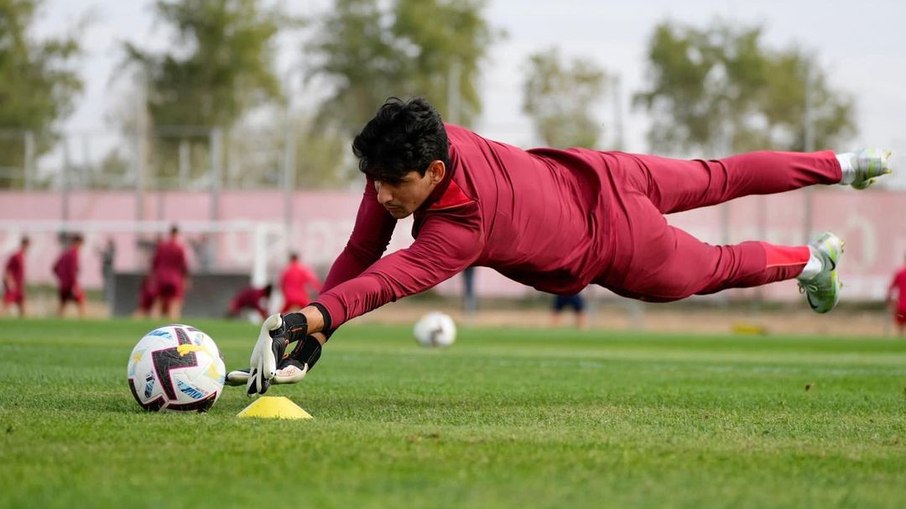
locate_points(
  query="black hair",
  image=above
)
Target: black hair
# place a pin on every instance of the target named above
(403, 136)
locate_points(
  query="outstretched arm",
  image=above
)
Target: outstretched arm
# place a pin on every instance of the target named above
(444, 247)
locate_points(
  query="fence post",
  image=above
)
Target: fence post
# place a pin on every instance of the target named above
(289, 176)
(216, 172)
(184, 156)
(259, 255)
(808, 143)
(65, 178)
(141, 162)
(29, 166)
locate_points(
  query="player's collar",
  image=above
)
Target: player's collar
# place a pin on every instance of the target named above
(447, 194)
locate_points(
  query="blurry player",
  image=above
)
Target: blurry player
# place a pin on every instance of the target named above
(14, 278)
(575, 302)
(557, 220)
(295, 283)
(147, 296)
(66, 269)
(256, 299)
(169, 272)
(107, 254)
(896, 298)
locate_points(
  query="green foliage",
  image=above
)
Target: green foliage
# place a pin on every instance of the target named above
(560, 97)
(219, 68)
(504, 418)
(317, 155)
(37, 83)
(719, 89)
(320, 157)
(369, 50)
(452, 48)
(221, 64)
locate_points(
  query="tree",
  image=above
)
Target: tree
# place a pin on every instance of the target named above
(720, 90)
(37, 85)
(369, 50)
(560, 97)
(440, 52)
(220, 68)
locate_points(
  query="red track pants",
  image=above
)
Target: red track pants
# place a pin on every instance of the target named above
(654, 261)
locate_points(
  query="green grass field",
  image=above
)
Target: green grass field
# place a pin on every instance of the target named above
(505, 418)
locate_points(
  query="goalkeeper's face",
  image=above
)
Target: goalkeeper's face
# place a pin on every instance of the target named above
(404, 197)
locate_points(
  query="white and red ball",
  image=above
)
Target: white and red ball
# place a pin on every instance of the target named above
(176, 367)
(435, 330)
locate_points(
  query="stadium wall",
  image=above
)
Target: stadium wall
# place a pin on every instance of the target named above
(319, 224)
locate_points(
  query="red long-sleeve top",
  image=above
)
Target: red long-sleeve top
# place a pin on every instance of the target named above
(15, 270)
(66, 268)
(534, 216)
(898, 283)
(295, 280)
(169, 264)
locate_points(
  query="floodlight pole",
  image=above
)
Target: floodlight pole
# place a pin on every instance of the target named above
(289, 156)
(184, 163)
(67, 169)
(141, 148)
(618, 114)
(216, 143)
(808, 143)
(29, 166)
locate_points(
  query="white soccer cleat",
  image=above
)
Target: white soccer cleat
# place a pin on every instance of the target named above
(869, 164)
(823, 290)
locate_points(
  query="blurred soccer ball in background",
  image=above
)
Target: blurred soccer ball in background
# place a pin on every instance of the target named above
(176, 367)
(435, 330)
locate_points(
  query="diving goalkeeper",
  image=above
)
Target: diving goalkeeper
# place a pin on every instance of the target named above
(556, 220)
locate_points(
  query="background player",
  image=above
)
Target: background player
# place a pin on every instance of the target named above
(14, 278)
(252, 298)
(295, 282)
(896, 298)
(576, 303)
(66, 269)
(170, 273)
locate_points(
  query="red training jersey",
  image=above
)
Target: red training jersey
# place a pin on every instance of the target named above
(249, 298)
(536, 216)
(15, 270)
(66, 268)
(169, 266)
(295, 280)
(899, 283)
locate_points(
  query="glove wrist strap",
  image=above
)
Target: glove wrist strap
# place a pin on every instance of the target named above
(295, 326)
(307, 351)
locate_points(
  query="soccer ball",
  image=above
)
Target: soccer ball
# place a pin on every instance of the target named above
(435, 329)
(176, 367)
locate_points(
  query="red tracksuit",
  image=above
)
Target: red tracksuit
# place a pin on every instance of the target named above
(14, 270)
(294, 283)
(249, 298)
(66, 268)
(169, 270)
(559, 220)
(899, 282)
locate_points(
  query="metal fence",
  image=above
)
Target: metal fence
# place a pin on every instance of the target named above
(185, 158)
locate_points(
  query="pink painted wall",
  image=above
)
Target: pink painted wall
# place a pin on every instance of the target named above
(869, 221)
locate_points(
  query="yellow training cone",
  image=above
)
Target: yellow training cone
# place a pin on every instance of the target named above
(274, 407)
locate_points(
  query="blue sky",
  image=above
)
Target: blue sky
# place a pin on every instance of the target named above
(861, 44)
